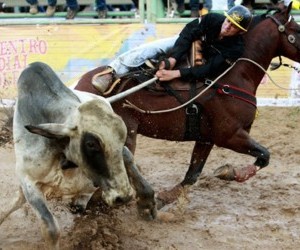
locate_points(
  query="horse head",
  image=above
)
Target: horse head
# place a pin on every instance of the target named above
(277, 35)
(289, 34)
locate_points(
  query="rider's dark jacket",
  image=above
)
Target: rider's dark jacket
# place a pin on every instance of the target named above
(217, 53)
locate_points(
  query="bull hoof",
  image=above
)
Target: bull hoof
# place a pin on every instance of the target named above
(147, 211)
(225, 172)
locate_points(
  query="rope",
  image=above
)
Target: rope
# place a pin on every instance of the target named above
(132, 106)
(271, 79)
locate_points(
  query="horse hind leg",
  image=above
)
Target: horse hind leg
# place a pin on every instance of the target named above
(199, 156)
(262, 160)
(16, 204)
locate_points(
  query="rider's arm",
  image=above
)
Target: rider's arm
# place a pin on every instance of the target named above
(215, 66)
(216, 63)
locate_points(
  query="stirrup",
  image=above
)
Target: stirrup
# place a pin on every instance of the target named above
(112, 87)
(104, 72)
(149, 64)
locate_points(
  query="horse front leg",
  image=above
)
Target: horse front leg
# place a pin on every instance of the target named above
(243, 143)
(200, 153)
(198, 159)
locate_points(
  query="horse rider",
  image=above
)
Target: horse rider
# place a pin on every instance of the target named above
(221, 44)
(218, 36)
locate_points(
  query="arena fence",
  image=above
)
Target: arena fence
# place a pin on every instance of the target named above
(150, 11)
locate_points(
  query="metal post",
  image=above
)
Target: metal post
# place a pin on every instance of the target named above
(142, 10)
(160, 8)
(155, 9)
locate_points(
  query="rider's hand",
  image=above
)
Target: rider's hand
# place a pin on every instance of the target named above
(167, 75)
(172, 62)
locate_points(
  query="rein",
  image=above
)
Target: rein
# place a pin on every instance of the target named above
(275, 66)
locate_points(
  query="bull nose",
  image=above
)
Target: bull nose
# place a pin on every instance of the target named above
(122, 200)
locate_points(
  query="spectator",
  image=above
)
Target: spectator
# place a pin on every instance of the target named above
(101, 8)
(207, 5)
(136, 3)
(230, 3)
(2, 7)
(73, 8)
(194, 6)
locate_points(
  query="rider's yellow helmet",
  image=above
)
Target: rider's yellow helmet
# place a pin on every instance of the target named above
(240, 16)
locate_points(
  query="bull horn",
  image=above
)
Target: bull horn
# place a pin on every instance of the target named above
(121, 95)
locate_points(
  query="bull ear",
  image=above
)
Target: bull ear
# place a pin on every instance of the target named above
(51, 130)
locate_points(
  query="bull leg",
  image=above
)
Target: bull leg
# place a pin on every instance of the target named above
(16, 204)
(49, 226)
(243, 143)
(144, 192)
(198, 159)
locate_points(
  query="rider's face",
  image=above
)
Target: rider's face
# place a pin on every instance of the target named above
(229, 29)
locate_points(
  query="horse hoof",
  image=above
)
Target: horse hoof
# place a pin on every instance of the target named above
(225, 172)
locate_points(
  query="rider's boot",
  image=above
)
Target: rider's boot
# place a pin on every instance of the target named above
(103, 80)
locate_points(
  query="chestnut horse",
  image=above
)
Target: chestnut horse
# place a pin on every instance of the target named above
(224, 113)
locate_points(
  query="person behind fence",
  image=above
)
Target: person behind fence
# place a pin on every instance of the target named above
(101, 8)
(221, 43)
(194, 5)
(73, 8)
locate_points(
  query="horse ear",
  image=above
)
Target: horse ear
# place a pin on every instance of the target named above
(289, 7)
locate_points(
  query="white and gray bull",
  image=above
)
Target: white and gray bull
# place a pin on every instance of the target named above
(68, 144)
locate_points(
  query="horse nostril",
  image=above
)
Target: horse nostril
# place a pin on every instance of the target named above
(122, 200)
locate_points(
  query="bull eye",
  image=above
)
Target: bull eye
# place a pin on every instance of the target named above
(93, 153)
(93, 144)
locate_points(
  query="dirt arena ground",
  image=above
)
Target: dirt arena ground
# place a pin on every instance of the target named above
(262, 213)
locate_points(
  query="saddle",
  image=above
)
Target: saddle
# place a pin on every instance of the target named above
(148, 69)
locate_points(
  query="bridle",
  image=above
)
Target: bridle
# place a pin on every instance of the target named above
(282, 29)
(290, 37)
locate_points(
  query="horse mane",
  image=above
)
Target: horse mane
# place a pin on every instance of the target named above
(258, 18)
